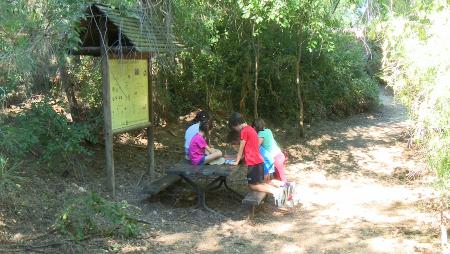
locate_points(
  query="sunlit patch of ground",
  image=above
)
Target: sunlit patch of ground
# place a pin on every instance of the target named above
(353, 200)
(356, 197)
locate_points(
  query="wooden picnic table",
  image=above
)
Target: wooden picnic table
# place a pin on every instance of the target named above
(193, 173)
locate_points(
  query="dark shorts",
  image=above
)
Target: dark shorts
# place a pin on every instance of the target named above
(255, 174)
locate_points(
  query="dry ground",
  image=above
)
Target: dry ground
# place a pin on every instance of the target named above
(356, 198)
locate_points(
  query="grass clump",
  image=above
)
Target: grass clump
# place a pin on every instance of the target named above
(89, 215)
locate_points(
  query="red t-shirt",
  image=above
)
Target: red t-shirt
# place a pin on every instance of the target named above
(251, 150)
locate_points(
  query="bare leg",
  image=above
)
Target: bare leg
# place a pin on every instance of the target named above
(267, 178)
(215, 155)
(273, 182)
(263, 187)
(276, 183)
(278, 194)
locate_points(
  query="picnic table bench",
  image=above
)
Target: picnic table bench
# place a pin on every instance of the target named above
(254, 199)
(160, 184)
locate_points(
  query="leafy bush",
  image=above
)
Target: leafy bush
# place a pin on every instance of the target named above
(220, 68)
(415, 64)
(90, 214)
(86, 73)
(2, 97)
(45, 133)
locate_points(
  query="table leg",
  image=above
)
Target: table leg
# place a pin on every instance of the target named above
(231, 190)
(201, 192)
(209, 186)
(220, 180)
(201, 203)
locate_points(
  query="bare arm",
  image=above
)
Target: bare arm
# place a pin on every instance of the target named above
(240, 152)
(261, 140)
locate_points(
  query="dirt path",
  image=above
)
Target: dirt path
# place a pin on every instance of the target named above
(356, 198)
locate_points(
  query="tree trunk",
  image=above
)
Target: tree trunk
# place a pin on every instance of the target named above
(255, 89)
(68, 88)
(165, 107)
(207, 97)
(256, 95)
(299, 93)
(246, 86)
(209, 94)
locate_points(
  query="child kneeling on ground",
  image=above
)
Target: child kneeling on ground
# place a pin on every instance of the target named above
(199, 151)
(249, 148)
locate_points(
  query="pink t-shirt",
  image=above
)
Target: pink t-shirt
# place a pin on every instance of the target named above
(197, 149)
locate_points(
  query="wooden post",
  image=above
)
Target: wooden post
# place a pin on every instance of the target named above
(107, 130)
(150, 136)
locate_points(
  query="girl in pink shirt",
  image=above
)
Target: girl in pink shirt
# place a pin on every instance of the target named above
(199, 151)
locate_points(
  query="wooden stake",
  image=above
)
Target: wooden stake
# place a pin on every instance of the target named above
(150, 136)
(107, 109)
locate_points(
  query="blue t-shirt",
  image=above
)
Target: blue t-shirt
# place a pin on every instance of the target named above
(190, 133)
(269, 142)
(269, 163)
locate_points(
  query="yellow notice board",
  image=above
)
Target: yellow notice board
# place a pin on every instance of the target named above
(129, 92)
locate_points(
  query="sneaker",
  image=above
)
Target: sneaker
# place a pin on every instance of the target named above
(284, 196)
(276, 197)
(289, 187)
(279, 197)
(229, 162)
(295, 196)
(291, 190)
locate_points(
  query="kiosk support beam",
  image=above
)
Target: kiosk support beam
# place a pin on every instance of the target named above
(107, 131)
(150, 136)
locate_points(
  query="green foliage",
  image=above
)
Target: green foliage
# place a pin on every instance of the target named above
(33, 34)
(336, 82)
(219, 67)
(86, 73)
(43, 132)
(416, 66)
(89, 214)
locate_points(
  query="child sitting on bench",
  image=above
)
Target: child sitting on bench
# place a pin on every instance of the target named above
(201, 116)
(249, 148)
(199, 151)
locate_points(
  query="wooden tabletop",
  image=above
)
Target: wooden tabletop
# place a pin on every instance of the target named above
(184, 167)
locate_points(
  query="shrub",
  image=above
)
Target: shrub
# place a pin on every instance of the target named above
(45, 133)
(90, 214)
(416, 66)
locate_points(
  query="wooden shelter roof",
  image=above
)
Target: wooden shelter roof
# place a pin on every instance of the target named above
(126, 32)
